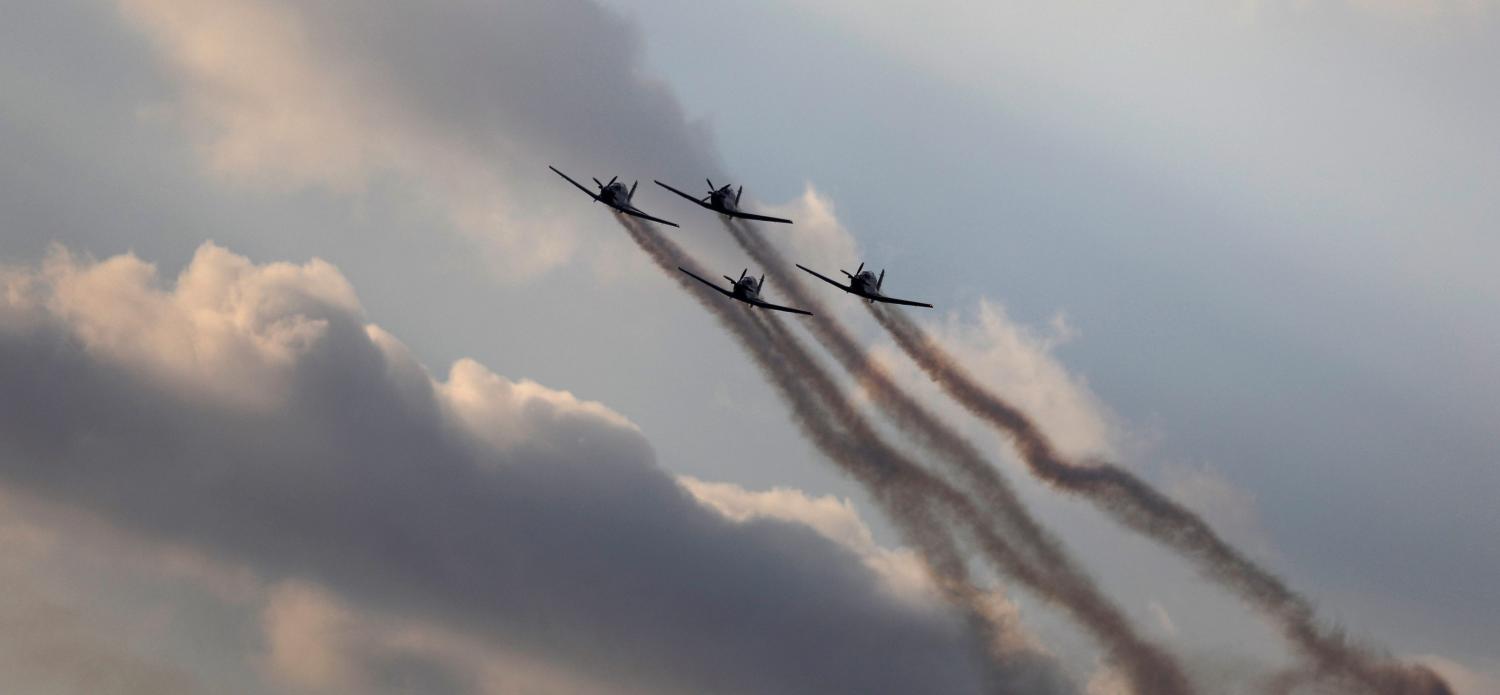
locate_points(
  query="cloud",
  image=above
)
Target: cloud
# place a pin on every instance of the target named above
(315, 643)
(228, 329)
(821, 240)
(527, 519)
(462, 102)
(1464, 679)
(1020, 362)
(1230, 509)
(836, 519)
(47, 646)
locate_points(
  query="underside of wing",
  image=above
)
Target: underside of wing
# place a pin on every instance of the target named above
(590, 193)
(716, 288)
(760, 218)
(637, 213)
(778, 307)
(823, 277)
(904, 302)
(695, 201)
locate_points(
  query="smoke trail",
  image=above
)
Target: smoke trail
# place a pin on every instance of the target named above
(913, 515)
(914, 419)
(1149, 669)
(1065, 584)
(1141, 507)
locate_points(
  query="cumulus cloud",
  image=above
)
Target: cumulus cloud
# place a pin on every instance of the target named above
(47, 647)
(1464, 679)
(501, 511)
(1021, 362)
(821, 240)
(463, 102)
(834, 518)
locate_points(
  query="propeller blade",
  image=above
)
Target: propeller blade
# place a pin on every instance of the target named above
(612, 180)
(881, 279)
(601, 183)
(742, 273)
(738, 194)
(861, 268)
(711, 185)
(760, 285)
(632, 189)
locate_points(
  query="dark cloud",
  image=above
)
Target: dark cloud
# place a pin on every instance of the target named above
(562, 540)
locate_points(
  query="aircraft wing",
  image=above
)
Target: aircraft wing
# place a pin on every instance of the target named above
(695, 201)
(591, 194)
(824, 278)
(761, 218)
(778, 307)
(893, 300)
(637, 213)
(716, 288)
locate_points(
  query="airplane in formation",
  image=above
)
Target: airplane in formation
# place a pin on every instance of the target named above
(724, 201)
(615, 195)
(864, 283)
(747, 290)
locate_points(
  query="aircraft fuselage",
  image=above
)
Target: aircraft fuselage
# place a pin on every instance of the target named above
(615, 195)
(747, 289)
(865, 283)
(723, 199)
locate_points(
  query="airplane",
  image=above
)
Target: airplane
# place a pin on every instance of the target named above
(865, 284)
(615, 195)
(723, 201)
(747, 290)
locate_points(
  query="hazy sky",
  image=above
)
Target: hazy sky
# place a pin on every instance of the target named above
(1243, 247)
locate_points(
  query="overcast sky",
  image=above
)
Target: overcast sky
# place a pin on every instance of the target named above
(308, 256)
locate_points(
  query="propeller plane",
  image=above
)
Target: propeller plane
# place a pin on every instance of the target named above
(724, 200)
(864, 283)
(747, 290)
(615, 195)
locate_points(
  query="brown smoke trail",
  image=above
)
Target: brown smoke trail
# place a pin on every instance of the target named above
(1149, 669)
(1066, 584)
(1141, 507)
(913, 515)
(914, 419)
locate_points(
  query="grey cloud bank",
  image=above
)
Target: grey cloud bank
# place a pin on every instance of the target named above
(499, 508)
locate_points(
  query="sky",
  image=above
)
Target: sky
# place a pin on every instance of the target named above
(318, 381)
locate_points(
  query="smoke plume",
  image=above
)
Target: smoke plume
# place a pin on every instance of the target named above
(868, 461)
(900, 485)
(1058, 578)
(1149, 669)
(1137, 505)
